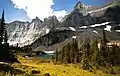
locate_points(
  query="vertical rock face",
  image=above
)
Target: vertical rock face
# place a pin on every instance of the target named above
(51, 22)
(81, 8)
(86, 15)
(25, 33)
(16, 29)
(79, 16)
(51, 31)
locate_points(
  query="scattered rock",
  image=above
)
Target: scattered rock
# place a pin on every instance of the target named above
(46, 74)
(112, 71)
(64, 71)
(35, 71)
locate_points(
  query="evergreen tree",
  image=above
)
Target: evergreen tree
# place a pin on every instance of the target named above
(60, 56)
(5, 54)
(67, 53)
(2, 27)
(104, 38)
(95, 54)
(56, 56)
(75, 51)
(63, 55)
(5, 37)
(114, 55)
(103, 50)
(86, 56)
(72, 53)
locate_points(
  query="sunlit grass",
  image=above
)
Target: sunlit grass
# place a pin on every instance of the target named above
(30, 64)
(39, 67)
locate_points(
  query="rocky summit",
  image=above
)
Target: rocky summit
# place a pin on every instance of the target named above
(25, 33)
(83, 23)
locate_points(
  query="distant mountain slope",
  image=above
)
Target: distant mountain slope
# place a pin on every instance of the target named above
(86, 15)
(53, 47)
(52, 34)
(25, 33)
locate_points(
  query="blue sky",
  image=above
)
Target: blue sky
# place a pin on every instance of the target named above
(60, 7)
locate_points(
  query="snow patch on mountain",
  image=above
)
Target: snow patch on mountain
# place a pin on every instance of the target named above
(117, 30)
(72, 28)
(74, 37)
(83, 27)
(108, 28)
(95, 31)
(47, 31)
(100, 9)
(105, 23)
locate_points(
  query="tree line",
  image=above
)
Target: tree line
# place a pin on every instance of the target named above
(90, 54)
(5, 53)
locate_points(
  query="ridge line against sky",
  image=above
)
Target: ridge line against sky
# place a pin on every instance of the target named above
(26, 10)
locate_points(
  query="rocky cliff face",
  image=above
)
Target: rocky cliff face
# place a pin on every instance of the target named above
(86, 15)
(25, 33)
(51, 32)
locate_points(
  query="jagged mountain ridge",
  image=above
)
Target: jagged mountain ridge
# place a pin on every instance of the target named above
(82, 21)
(37, 32)
(86, 15)
(25, 33)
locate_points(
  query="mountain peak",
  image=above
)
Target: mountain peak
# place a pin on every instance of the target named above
(79, 5)
(81, 8)
(37, 20)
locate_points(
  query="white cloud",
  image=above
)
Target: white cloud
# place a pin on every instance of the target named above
(39, 8)
(60, 14)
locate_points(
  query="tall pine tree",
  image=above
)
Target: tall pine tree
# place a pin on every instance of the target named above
(5, 37)
(2, 27)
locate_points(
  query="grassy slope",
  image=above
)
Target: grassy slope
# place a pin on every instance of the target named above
(29, 64)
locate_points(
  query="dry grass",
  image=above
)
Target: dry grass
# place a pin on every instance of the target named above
(29, 64)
